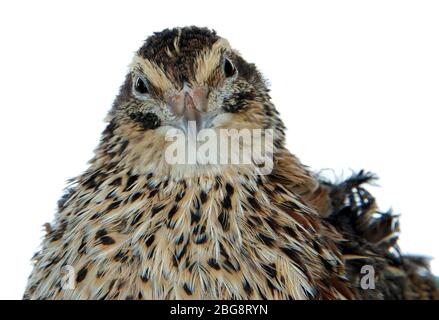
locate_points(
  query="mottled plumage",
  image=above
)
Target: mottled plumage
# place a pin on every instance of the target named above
(135, 227)
(372, 240)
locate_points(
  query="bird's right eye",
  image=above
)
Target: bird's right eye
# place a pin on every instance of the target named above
(141, 85)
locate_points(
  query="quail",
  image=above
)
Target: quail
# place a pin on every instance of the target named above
(135, 226)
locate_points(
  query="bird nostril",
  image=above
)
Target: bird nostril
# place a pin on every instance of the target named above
(189, 102)
(190, 110)
(177, 104)
(199, 97)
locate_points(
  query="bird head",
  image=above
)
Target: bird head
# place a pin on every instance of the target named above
(187, 76)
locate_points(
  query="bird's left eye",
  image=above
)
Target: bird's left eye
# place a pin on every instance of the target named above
(229, 68)
(141, 85)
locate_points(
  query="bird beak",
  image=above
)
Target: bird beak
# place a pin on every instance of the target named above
(190, 104)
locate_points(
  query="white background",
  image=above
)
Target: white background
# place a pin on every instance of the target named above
(356, 83)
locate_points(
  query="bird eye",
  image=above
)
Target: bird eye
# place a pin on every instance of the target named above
(141, 85)
(229, 68)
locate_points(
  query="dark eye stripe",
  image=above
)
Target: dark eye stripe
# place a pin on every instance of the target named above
(147, 120)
